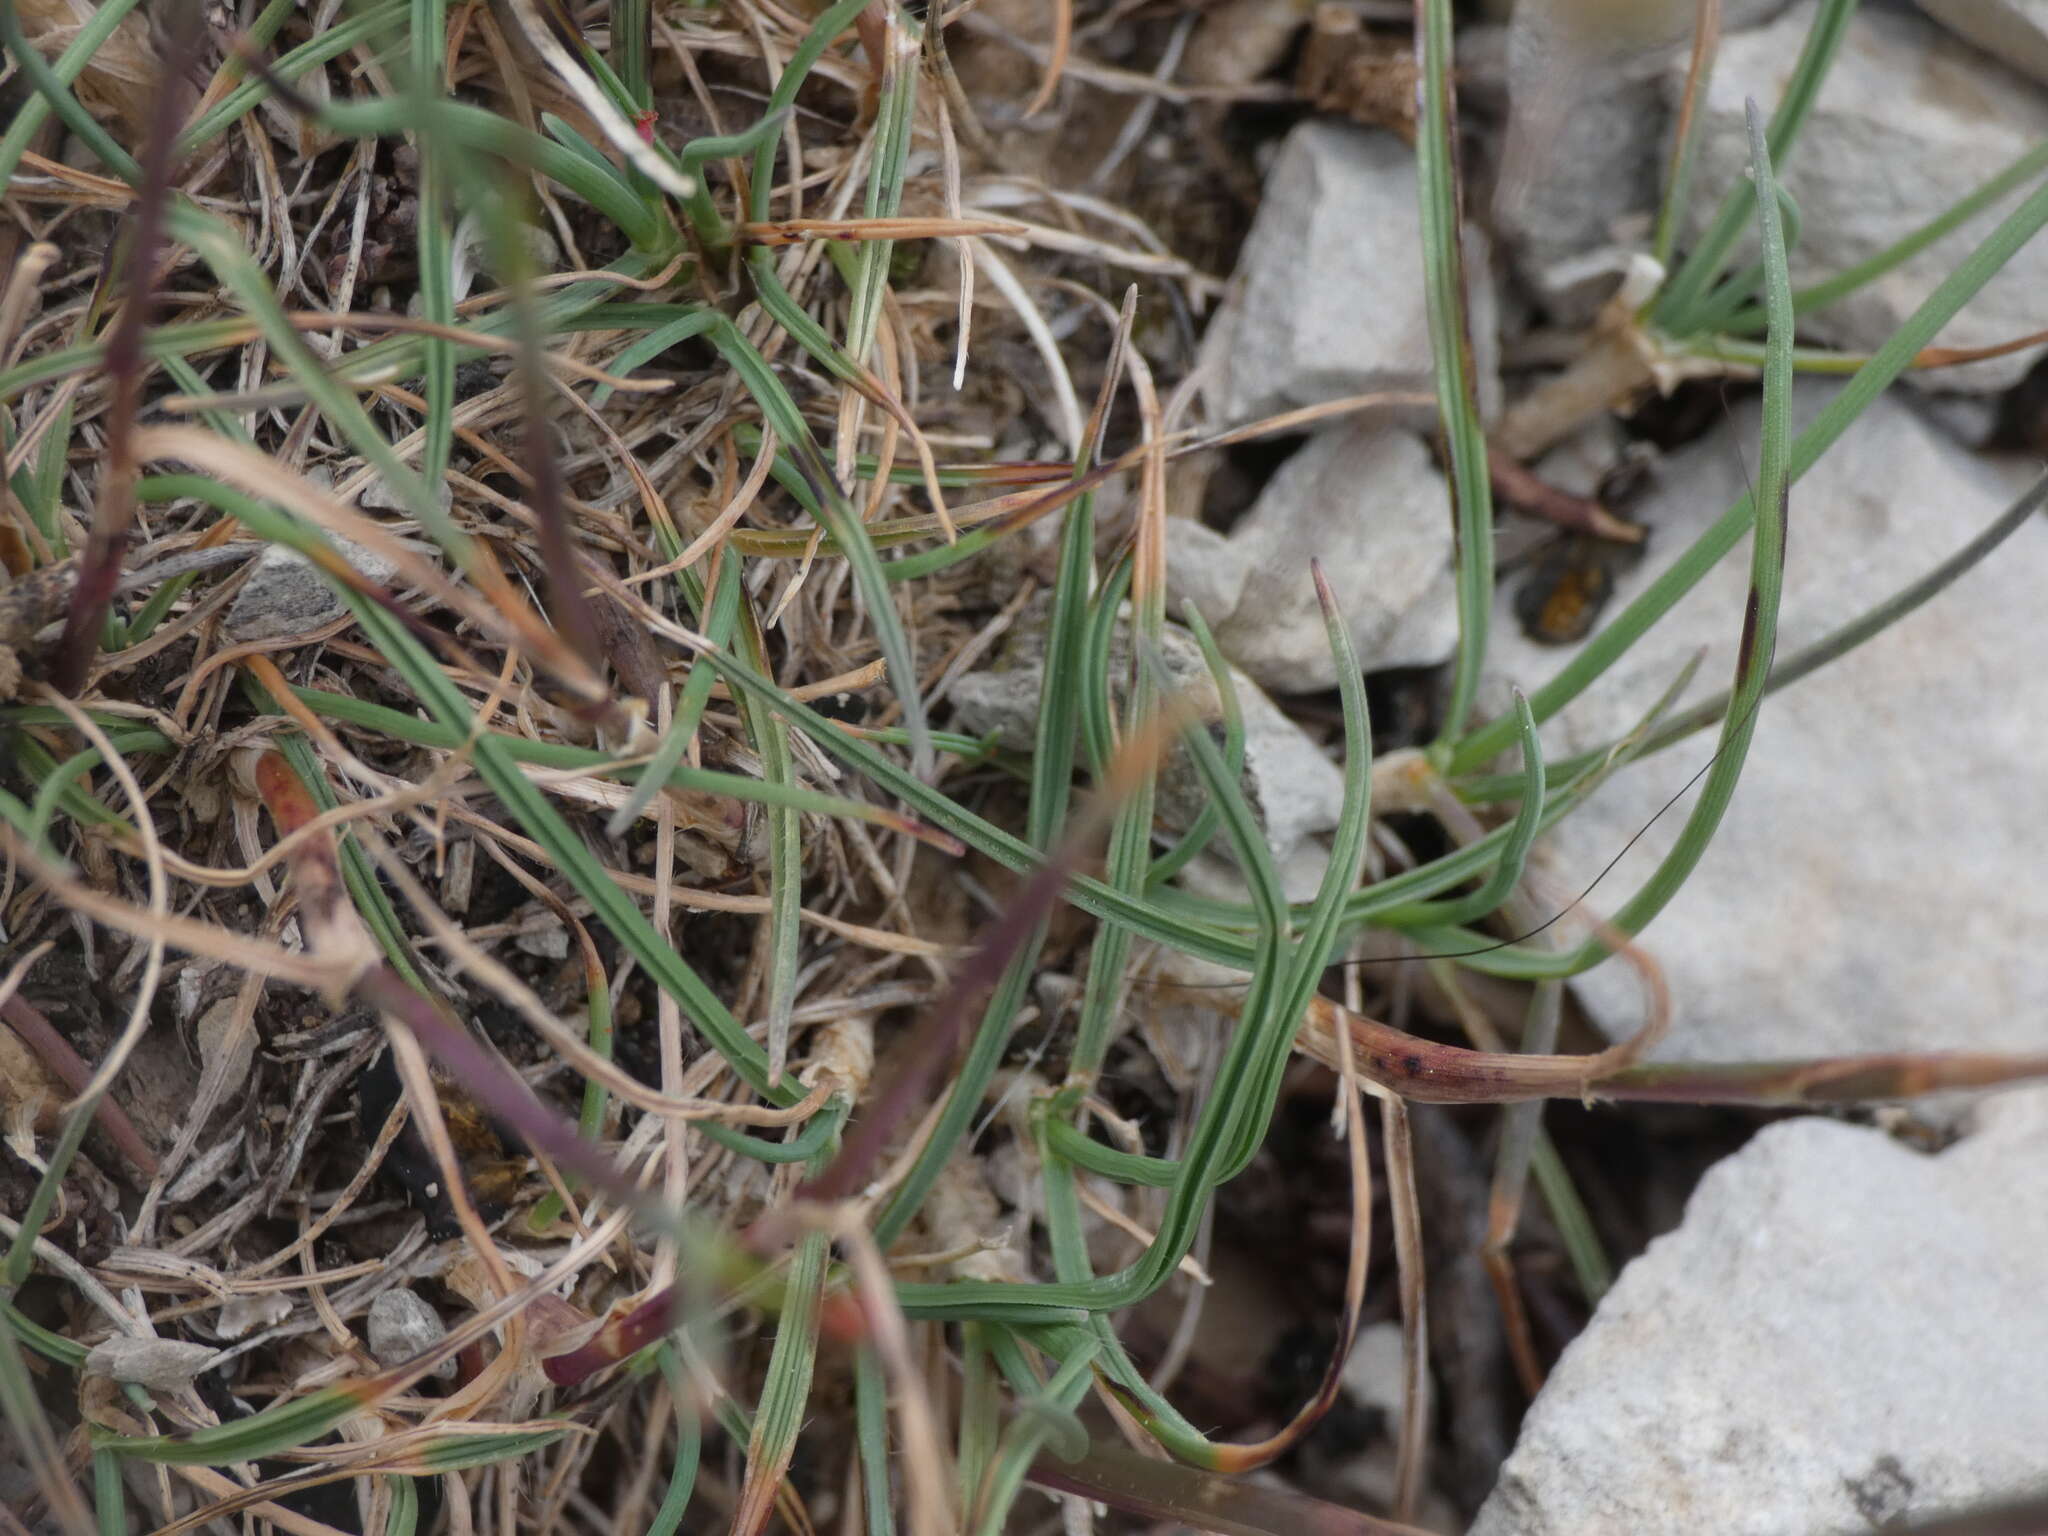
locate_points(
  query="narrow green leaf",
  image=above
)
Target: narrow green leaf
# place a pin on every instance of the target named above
(1443, 259)
(1672, 308)
(1871, 380)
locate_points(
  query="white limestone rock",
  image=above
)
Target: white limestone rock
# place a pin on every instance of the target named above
(1843, 1335)
(1909, 120)
(2014, 32)
(1874, 885)
(1367, 502)
(1583, 153)
(1329, 298)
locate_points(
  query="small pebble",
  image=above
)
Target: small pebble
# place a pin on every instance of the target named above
(402, 1325)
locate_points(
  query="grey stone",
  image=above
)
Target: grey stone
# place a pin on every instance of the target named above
(1204, 568)
(546, 943)
(1373, 1372)
(374, 492)
(2012, 31)
(1843, 1335)
(1581, 463)
(1369, 504)
(287, 595)
(1296, 791)
(1909, 119)
(1330, 295)
(1873, 885)
(240, 1315)
(164, 1365)
(1215, 876)
(1626, 35)
(1582, 156)
(401, 1325)
(1580, 172)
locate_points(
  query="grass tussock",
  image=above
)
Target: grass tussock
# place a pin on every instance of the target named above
(565, 901)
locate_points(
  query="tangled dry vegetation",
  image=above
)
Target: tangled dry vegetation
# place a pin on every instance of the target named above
(509, 1030)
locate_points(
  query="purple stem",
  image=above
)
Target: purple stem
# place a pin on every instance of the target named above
(936, 1037)
(100, 570)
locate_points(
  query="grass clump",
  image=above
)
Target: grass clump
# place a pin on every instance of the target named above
(554, 812)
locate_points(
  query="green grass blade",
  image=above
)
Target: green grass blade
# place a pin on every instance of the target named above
(1760, 621)
(55, 92)
(841, 519)
(22, 1410)
(1514, 854)
(1045, 1417)
(330, 43)
(30, 115)
(1130, 839)
(366, 891)
(785, 851)
(109, 1498)
(404, 1519)
(1203, 828)
(791, 1362)
(545, 825)
(1051, 789)
(1325, 922)
(1759, 642)
(871, 1439)
(436, 274)
(2028, 167)
(895, 113)
(1719, 306)
(1443, 257)
(812, 1141)
(977, 1431)
(1488, 789)
(1098, 730)
(682, 1480)
(282, 1427)
(830, 24)
(1673, 308)
(1884, 367)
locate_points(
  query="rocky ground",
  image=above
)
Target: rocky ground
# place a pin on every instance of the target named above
(1816, 1322)
(1831, 1337)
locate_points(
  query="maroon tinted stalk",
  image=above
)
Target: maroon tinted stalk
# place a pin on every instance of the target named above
(1208, 1501)
(43, 1037)
(100, 570)
(936, 1037)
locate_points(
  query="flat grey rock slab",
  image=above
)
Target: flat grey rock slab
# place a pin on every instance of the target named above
(1876, 883)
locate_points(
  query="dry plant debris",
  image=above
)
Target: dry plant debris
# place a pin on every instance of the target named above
(507, 1036)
